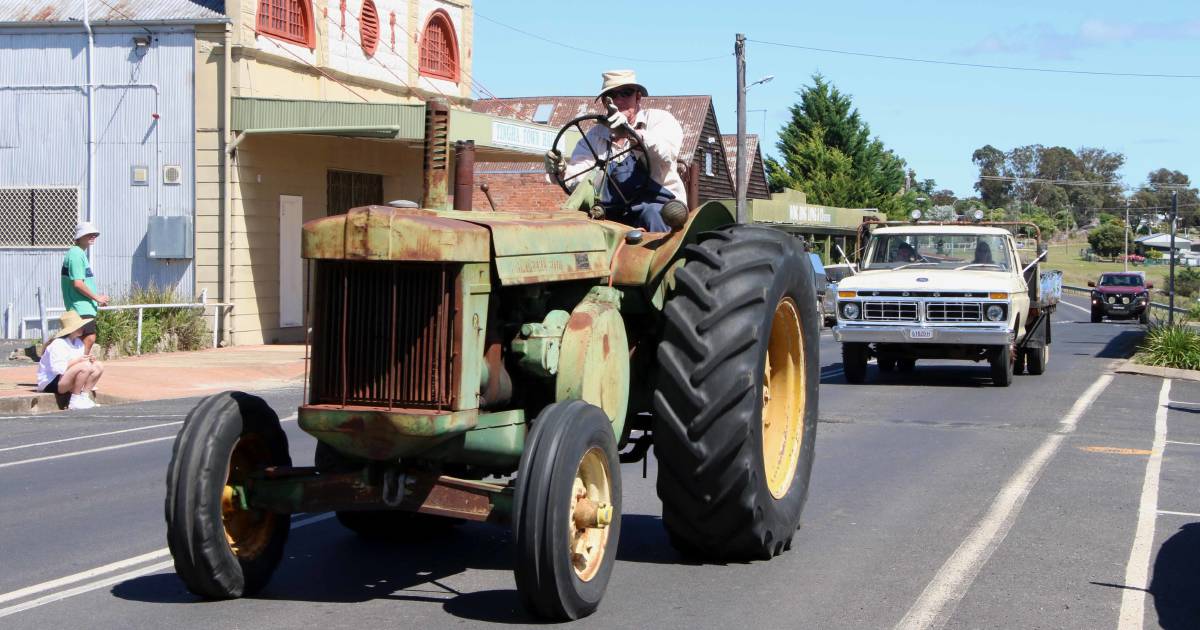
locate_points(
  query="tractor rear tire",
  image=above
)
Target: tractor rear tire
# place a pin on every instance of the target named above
(854, 362)
(378, 524)
(220, 551)
(562, 569)
(736, 397)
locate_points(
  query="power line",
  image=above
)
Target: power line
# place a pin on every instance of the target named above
(593, 52)
(963, 64)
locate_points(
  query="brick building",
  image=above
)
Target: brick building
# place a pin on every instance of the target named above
(523, 185)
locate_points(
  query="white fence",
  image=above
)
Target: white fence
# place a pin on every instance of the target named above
(46, 315)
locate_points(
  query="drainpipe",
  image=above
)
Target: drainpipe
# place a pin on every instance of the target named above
(226, 268)
(91, 138)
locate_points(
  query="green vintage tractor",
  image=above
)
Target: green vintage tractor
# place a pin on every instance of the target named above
(500, 366)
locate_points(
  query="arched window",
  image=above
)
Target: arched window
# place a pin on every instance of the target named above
(368, 26)
(439, 48)
(289, 20)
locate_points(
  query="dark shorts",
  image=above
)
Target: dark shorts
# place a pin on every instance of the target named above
(52, 386)
(89, 325)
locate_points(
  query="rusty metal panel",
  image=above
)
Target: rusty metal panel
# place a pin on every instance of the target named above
(437, 154)
(383, 334)
(401, 234)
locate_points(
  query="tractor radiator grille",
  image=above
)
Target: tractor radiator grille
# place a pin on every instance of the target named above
(383, 334)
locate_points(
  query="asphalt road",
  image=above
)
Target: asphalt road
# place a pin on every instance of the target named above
(1067, 500)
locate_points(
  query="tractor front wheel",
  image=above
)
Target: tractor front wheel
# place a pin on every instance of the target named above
(567, 511)
(222, 548)
(736, 397)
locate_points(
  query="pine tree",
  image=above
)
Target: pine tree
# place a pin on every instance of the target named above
(827, 151)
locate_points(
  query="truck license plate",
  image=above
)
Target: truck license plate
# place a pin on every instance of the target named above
(920, 333)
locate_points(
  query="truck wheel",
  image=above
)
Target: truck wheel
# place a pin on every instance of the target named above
(854, 362)
(377, 524)
(886, 365)
(1036, 359)
(1096, 316)
(1144, 318)
(736, 399)
(221, 551)
(1002, 359)
(567, 511)
(906, 365)
(1019, 360)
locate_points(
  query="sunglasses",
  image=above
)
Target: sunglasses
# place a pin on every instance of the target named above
(623, 92)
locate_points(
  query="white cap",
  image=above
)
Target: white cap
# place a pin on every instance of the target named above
(85, 228)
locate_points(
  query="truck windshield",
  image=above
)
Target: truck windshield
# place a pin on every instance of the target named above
(984, 252)
(1121, 281)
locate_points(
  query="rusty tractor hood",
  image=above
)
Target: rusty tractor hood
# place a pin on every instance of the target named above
(526, 247)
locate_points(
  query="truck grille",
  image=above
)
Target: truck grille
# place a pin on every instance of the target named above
(953, 312)
(383, 334)
(890, 311)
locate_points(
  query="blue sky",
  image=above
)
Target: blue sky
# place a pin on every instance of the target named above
(934, 116)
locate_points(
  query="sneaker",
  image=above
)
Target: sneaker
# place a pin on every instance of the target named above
(80, 401)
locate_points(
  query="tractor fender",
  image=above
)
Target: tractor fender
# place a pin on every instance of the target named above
(593, 363)
(651, 263)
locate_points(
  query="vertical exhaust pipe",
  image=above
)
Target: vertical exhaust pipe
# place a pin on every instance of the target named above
(464, 173)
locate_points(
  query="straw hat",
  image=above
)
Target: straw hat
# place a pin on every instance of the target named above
(614, 79)
(86, 228)
(71, 321)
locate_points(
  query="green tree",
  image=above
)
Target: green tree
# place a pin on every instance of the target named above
(1155, 195)
(827, 151)
(1107, 240)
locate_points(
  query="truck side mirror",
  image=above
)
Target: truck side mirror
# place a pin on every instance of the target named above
(1091, 283)
(1149, 285)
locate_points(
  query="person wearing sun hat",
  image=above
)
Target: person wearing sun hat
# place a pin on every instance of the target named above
(632, 193)
(65, 368)
(79, 283)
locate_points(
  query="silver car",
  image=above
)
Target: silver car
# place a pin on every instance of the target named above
(833, 275)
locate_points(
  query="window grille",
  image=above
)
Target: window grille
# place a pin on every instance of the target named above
(439, 48)
(289, 20)
(368, 26)
(38, 217)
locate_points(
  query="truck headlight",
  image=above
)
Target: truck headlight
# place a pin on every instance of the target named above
(995, 312)
(851, 310)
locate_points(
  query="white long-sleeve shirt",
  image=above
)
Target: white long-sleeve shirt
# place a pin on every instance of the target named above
(55, 358)
(661, 134)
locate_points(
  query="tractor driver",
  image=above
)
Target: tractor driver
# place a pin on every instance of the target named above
(662, 137)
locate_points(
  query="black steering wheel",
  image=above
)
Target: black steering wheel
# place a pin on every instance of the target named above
(634, 146)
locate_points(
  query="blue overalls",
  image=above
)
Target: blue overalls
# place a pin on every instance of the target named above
(642, 210)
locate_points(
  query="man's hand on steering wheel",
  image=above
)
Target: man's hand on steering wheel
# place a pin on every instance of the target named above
(618, 122)
(554, 163)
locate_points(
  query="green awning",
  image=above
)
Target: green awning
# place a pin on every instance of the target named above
(393, 121)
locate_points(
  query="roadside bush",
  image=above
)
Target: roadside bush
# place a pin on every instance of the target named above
(1175, 345)
(163, 329)
(1187, 281)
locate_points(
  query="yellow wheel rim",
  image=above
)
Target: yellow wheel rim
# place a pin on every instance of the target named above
(591, 514)
(783, 399)
(247, 531)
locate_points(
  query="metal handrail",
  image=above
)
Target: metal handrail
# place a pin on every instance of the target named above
(141, 308)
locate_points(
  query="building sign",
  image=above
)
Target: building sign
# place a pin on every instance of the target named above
(808, 214)
(521, 137)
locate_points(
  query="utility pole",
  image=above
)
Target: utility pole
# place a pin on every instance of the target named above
(1127, 235)
(739, 52)
(1174, 214)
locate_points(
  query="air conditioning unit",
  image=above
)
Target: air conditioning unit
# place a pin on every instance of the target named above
(172, 174)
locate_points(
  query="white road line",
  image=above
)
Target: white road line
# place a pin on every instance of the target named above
(1173, 513)
(1085, 310)
(93, 435)
(1183, 443)
(1133, 597)
(101, 449)
(108, 581)
(937, 602)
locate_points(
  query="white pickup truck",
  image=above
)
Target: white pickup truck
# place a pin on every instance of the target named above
(946, 291)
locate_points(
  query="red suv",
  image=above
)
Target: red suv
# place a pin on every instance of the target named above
(1121, 295)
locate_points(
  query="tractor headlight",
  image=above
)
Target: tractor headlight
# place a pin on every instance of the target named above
(851, 310)
(994, 312)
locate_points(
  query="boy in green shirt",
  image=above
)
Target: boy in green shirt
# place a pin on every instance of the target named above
(79, 283)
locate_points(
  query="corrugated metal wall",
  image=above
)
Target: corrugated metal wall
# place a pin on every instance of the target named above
(49, 126)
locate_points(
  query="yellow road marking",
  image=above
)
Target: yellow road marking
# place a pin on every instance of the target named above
(1113, 450)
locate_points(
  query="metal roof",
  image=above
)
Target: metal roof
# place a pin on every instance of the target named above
(690, 111)
(43, 12)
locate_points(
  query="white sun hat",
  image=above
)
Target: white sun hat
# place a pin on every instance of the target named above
(85, 228)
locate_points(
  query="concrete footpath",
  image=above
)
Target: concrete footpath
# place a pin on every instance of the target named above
(168, 375)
